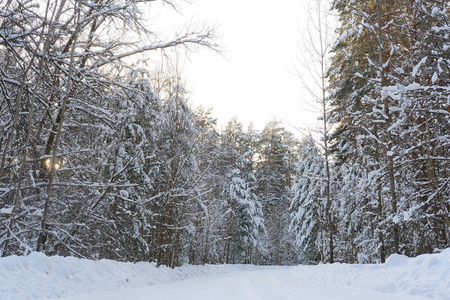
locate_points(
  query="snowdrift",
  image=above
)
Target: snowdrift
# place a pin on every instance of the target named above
(427, 275)
(39, 277)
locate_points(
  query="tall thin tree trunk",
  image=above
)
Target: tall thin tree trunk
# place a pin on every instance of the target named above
(229, 237)
(389, 140)
(380, 232)
(323, 58)
(61, 114)
(432, 179)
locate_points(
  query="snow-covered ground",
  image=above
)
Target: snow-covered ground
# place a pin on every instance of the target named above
(39, 277)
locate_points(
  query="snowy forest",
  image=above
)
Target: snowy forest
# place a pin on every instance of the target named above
(103, 158)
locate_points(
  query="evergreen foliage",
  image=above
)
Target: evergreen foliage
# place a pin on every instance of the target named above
(102, 159)
(389, 95)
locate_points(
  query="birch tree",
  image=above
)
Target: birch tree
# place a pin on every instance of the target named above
(314, 61)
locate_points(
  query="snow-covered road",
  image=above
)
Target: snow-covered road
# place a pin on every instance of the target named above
(38, 277)
(260, 284)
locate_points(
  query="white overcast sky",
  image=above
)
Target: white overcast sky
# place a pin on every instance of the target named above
(254, 80)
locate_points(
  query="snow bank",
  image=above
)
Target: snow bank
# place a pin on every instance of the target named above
(426, 275)
(37, 276)
(40, 277)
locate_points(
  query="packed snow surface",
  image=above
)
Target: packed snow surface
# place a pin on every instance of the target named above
(39, 277)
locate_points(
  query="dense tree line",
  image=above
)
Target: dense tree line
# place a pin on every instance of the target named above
(103, 159)
(387, 97)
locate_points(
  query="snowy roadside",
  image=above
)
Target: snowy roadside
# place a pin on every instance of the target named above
(39, 277)
(427, 275)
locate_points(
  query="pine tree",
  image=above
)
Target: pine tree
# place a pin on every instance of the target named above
(243, 220)
(308, 205)
(382, 49)
(277, 150)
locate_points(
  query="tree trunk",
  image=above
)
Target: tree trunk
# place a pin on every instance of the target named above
(57, 137)
(389, 140)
